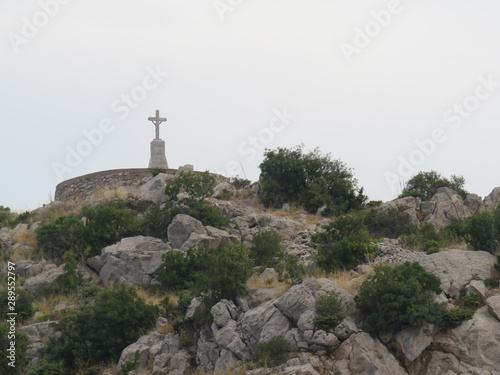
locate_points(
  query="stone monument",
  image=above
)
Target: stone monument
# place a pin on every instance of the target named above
(158, 159)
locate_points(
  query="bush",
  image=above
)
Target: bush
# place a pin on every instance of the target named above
(272, 353)
(72, 278)
(472, 301)
(185, 298)
(228, 269)
(195, 187)
(180, 270)
(66, 233)
(426, 184)
(266, 249)
(21, 341)
(24, 305)
(491, 283)
(390, 223)
(309, 180)
(483, 231)
(455, 317)
(344, 245)
(99, 331)
(329, 311)
(240, 183)
(107, 224)
(45, 367)
(208, 215)
(289, 270)
(395, 297)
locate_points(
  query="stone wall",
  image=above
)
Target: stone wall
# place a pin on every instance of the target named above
(105, 184)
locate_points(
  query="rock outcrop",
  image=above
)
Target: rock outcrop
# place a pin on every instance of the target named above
(49, 278)
(132, 261)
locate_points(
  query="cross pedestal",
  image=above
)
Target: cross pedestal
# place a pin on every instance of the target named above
(158, 159)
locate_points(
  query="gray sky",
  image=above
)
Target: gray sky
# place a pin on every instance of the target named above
(389, 87)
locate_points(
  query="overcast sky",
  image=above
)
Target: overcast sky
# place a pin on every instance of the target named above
(389, 87)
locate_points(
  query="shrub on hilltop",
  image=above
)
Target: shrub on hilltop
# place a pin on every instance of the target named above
(426, 184)
(309, 180)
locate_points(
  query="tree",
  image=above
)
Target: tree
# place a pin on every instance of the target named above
(483, 231)
(266, 249)
(309, 180)
(395, 297)
(344, 244)
(99, 331)
(426, 184)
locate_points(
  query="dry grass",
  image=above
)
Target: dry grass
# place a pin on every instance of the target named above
(25, 237)
(19, 254)
(155, 298)
(257, 282)
(46, 306)
(241, 370)
(51, 213)
(110, 193)
(347, 280)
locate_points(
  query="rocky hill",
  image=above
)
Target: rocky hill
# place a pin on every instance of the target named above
(238, 328)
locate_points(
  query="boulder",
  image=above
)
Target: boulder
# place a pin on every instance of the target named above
(408, 205)
(448, 205)
(492, 200)
(457, 268)
(184, 169)
(132, 261)
(346, 328)
(29, 268)
(300, 370)
(493, 304)
(223, 312)
(478, 288)
(474, 343)
(37, 334)
(143, 348)
(50, 277)
(411, 342)
(473, 203)
(223, 187)
(228, 338)
(5, 239)
(362, 354)
(154, 189)
(301, 298)
(181, 228)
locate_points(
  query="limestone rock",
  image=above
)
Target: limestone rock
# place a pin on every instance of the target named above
(154, 189)
(473, 203)
(37, 334)
(181, 228)
(5, 239)
(346, 328)
(474, 343)
(362, 354)
(223, 312)
(300, 370)
(411, 342)
(29, 268)
(223, 187)
(132, 261)
(457, 268)
(492, 200)
(478, 288)
(408, 205)
(301, 298)
(48, 278)
(448, 205)
(184, 169)
(142, 347)
(493, 304)
(228, 338)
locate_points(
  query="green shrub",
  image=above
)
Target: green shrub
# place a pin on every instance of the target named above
(289, 270)
(45, 367)
(107, 224)
(208, 215)
(157, 171)
(455, 317)
(483, 232)
(72, 277)
(329, 311)
(426, 184)
(185, 298)
(492, 283)
(23, 304)
(266, 249)
(431, 246)
(497, 264)
(66, 233)
(344, 245)
(309, 180)
(180, 270)
(472, 301)
(157, 219)
(390, 223)
(195, 187)
(99, 331)
(272, 353)
(240, 183)
(400, 296)
(21, 341)
(5, 216)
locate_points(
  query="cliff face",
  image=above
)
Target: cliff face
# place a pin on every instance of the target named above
(272, 310)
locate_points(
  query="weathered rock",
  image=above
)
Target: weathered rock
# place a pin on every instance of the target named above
(228, 338)
(493, 304)
(181, 228)
(346, 328)
(473, 203)
(474, 343)
(19, 229)
(492, 200)
(408, 205)
(300, 370)
(184, 169)
(180, 363)
(223, 187)
(301, 298)
(362, 354)
(223, 312)
(324, 339)
(50, 277)
(207, 352)
(200, 241)
(227, 360)
(457, 268)
(448, 205)
(193, 306)
(5, 239)
(222, 235)
(436, 362)
(154, 189)
(132, 261)
(37, 334)
(411, 342)
(29, 268)
(478, 288)
(143, 348)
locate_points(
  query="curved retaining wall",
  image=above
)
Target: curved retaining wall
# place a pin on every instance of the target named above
(116, 182)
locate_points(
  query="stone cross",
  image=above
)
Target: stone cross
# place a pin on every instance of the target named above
(157, 121)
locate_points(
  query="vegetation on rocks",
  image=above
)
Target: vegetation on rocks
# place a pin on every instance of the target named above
(425, 184)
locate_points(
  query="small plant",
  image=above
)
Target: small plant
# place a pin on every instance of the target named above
(185, 298)
(157, 171)
(492, 283)
(455, 317)
(431, 246)
(130, 365)
(225, 195)
(46, 367)
(329, 310)
(472, 301)
(24, 304)
(272, 353)
(240, 183)
(290, 271)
